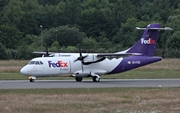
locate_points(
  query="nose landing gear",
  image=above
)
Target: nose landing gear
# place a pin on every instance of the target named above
(32, 79)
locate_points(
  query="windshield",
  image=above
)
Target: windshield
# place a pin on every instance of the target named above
(35, 63)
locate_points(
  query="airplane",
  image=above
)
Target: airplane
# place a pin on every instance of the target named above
(80, 65)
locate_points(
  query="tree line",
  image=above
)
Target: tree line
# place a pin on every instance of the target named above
(98, 25)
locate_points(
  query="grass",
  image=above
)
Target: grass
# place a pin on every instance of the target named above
(91, 100)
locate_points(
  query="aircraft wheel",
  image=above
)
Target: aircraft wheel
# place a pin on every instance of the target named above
(96, 79)
(31, 80)
(78, 79)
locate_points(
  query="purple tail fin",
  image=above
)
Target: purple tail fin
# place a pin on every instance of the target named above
(147, 44)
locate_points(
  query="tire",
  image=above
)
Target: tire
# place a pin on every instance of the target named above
(95, 79)
(31, 80)
(78, 79)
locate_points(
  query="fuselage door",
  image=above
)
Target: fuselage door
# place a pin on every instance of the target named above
(65, 67)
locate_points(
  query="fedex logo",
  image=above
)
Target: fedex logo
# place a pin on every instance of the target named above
(58, 64)
(149, 41)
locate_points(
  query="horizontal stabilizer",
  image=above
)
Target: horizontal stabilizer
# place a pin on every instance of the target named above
(166, 28)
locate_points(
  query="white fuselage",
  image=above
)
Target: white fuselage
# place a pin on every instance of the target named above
(65, 65)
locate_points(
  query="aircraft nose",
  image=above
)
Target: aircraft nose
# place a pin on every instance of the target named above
(24, 71)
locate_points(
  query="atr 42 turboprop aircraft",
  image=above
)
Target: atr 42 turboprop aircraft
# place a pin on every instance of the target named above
(81, 65)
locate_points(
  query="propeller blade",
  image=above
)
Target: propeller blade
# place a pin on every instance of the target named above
(81, 58)
(82, 68)
(47, 53)
(80, 53)
(75, 60)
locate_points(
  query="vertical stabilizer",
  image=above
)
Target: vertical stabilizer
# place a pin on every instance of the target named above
(147, 43)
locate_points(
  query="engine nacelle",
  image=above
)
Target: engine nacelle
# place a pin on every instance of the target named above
(91, 58)
(81, 73)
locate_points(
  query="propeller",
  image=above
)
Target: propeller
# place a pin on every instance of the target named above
(80, 58)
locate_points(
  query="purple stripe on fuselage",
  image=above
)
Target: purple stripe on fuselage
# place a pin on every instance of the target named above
(132, 62)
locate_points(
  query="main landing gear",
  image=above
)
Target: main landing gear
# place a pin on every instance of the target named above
(32, 79)
(78, 79)
(94, 78)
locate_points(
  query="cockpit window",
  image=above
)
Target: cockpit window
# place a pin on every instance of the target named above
(31, 62)
(41, 62)
(35, 63)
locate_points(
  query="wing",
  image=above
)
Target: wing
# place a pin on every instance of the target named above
(117, 54)
(42, 53)
(102, 56)
(49, 54)
(46, 53)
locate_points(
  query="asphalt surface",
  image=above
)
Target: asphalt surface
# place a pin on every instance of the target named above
(104, 83)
